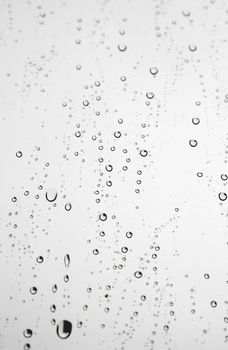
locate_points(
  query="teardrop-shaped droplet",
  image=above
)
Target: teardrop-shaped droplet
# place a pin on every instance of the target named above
(64, 329)
(67, 260)
(68, 206)
(51, 195)
(54, 288)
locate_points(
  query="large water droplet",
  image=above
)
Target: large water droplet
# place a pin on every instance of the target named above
(222, 196)
(51, 195)
(27, 333)
(64, 329)
(103, 216)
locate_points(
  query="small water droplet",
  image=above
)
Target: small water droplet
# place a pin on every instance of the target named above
(195, 121)
(19, 154)
(117, 134)
(54, 288)
(67, 260)
(95, 251)
(109, 167)
(150, 95)
(193, 143)
(138, 274)
(122, 47)
(213, 303)
(153, 70)
(103, 216)
(27, 346)
(85, 103)
(53, 308)
(143, 153)
(33, 290)
(129, 234)
(192, 47)
(27, 333)
(40, 259)
(68, 206)
(224, 177)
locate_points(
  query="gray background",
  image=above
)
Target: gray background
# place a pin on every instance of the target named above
(41, 97)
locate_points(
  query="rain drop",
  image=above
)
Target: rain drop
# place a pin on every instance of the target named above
(222, 196)
(51, 195)
(64, 329)
(138, 274)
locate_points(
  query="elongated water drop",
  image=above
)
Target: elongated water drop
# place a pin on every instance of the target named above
(67, 260)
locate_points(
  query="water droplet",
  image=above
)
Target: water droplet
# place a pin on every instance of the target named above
(27, 333)
(19, 154)
(224, 177)
(117, 134)
(124, 249)
(27, 346)
(40, 259)
(138, 274)
(199, 174)
(33, 290)
(79, 324)
(51, 195)
(129, 234)
(66, 278)
(150, 95)
(95, 251)
(192, 47)
(153, 70)
(85, 103)
(222, 196)
(109, 167)
(53, 308)
(54, 288)
(122, 47)
(186, 13)
(213, 303)
(195, 121)
(68, 206)
(67, 260)
(143, 153)
(193, 143)
(64, 329)
(103, 216)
